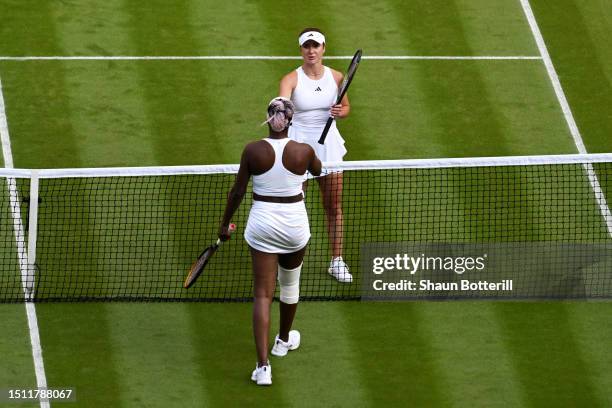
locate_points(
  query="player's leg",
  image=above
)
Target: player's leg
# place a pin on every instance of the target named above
(331, 191)
(264, 279)
(289, 269)
(289, 262)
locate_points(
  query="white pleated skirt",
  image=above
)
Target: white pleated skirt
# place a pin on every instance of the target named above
(277, 228)
(332, 151)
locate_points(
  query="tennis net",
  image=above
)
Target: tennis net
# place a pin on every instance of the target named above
(130, 234)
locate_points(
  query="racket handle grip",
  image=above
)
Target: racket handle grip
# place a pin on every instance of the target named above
(330, 120)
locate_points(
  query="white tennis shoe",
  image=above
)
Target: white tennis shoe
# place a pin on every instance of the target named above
(262, 375)
(281, 348)
(340, 270)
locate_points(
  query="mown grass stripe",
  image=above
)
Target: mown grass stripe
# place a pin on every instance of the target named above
(17, 33)
(592, 326)
(326, 363)
(554, 78)
(38, 96)
(155, 357)
(582, 58)
(330, 358)
(39, 114)
(222, 338)
(106, 105)
(282, 33)
(495, 27)
(470, 355)
(182, 109)
(546, 354)
(16, 351)
(458, 128)
(394, 354)
(80, 353)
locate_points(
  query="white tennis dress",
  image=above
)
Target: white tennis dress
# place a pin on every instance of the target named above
(278, 228)
(312, 99)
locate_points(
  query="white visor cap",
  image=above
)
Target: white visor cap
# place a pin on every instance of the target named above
(311, 35)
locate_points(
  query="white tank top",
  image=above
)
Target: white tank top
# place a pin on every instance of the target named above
(313, 98)
(278, 181)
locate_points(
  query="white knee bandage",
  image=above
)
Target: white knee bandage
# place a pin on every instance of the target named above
(289, 280)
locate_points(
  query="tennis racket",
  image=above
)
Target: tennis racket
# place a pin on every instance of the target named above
(343, 88)
(198, 266)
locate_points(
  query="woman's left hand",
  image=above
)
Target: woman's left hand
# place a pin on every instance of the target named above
(336, 111)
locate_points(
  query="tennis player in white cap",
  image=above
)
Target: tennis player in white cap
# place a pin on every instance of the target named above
(277, 230)
(313, 88)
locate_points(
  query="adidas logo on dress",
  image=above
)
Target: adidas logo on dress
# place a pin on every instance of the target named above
(318, 89)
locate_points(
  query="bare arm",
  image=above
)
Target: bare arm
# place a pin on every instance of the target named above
(288, 84)
(343, 109)
(236, 194)
(315, 166)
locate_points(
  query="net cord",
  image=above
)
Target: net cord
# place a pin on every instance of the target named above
(329, 166)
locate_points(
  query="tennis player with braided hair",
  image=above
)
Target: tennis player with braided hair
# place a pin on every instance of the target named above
(313, 88)
(277, 230)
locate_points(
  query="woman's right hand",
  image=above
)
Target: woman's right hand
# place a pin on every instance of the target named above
(225, 231)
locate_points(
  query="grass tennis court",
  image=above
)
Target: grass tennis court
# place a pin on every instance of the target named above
(101, 113)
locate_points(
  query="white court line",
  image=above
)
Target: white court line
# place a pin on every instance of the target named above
(39, 367)
(567, 112)
(260, 57)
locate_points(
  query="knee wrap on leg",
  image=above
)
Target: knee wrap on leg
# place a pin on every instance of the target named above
(289, 280)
